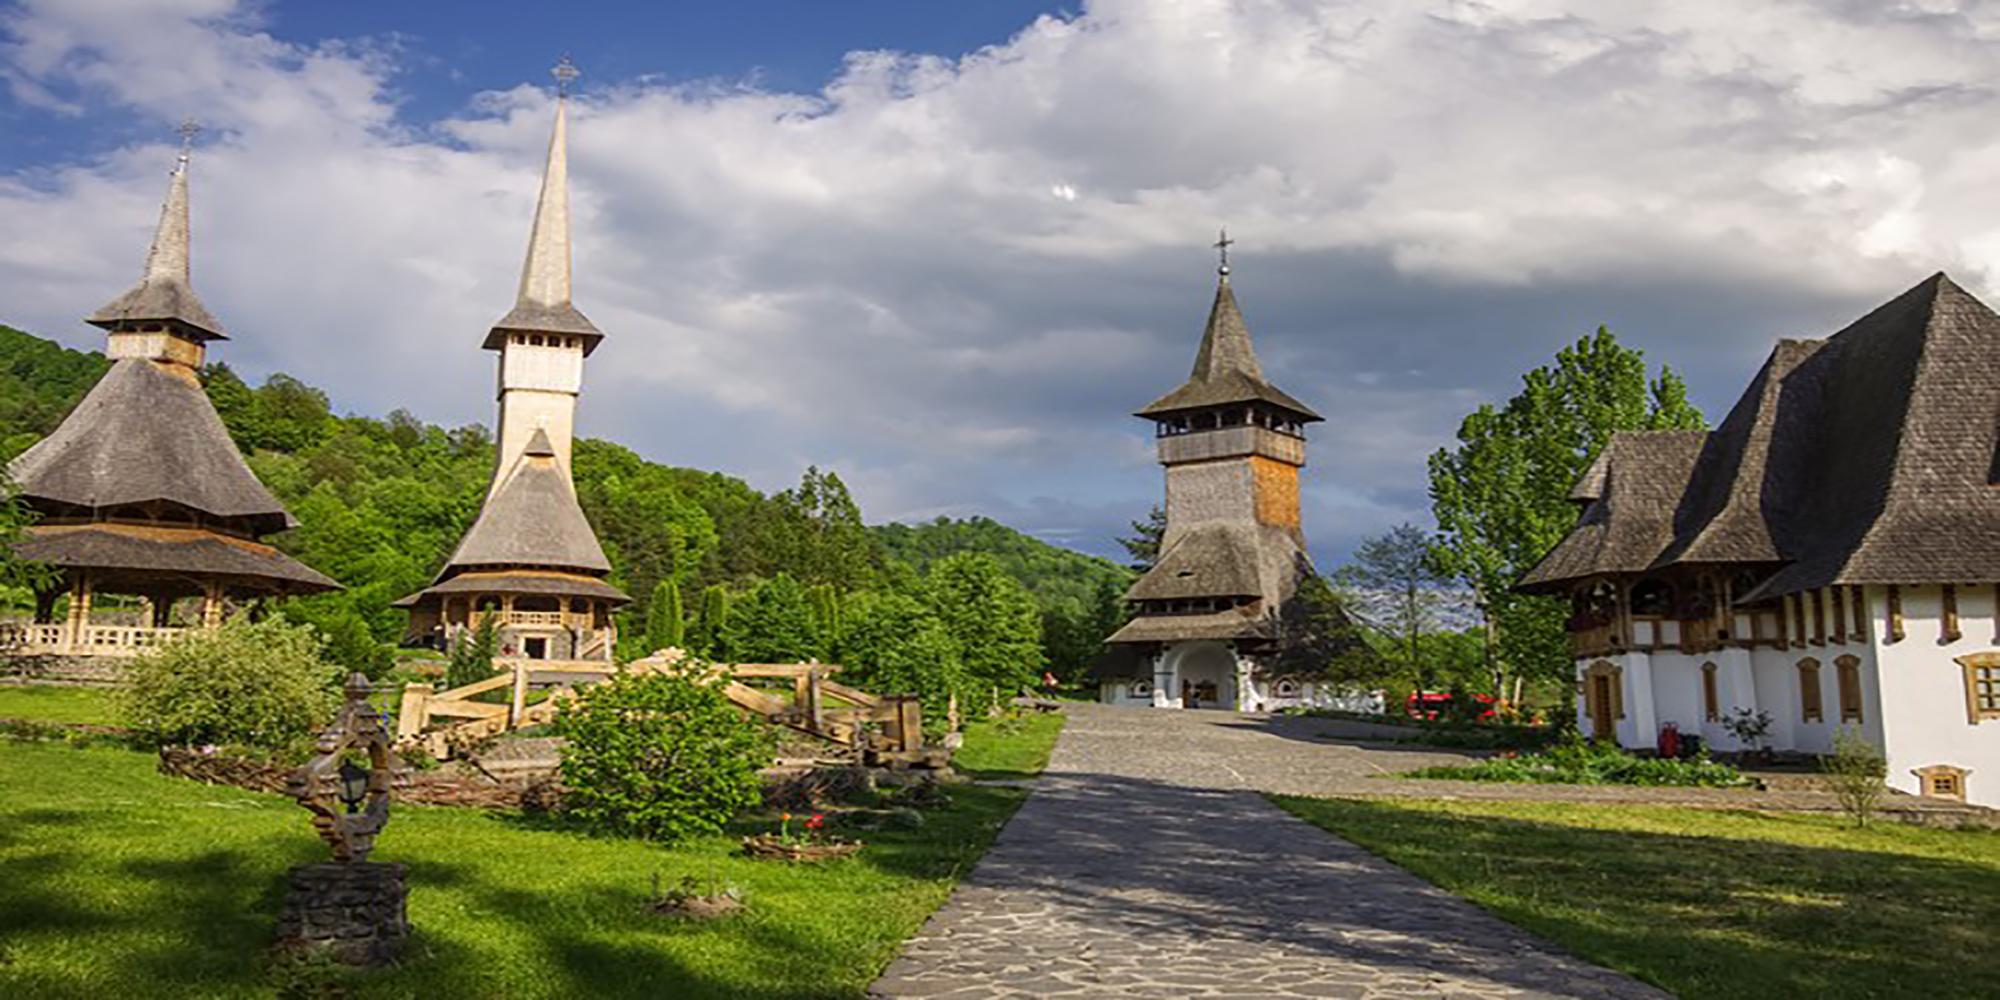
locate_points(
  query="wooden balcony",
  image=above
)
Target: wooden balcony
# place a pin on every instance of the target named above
(61, 639)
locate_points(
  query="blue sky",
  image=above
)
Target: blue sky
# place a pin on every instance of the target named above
(947, 248)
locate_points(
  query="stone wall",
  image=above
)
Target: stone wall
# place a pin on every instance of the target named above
(93, 671)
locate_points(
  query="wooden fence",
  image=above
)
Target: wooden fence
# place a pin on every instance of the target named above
(886, 729)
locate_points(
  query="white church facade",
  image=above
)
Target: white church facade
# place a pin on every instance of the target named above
(1827, 556)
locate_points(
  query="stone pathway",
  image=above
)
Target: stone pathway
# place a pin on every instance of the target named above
(1144, 865)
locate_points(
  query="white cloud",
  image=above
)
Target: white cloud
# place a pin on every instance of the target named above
(952, 279)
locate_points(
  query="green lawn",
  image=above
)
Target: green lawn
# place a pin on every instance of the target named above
(116, 881)
(1008, 748)
(1707, 903)
(56, 704)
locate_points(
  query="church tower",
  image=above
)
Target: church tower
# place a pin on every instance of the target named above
(531, 563)
(140, 493)
(1232, 445)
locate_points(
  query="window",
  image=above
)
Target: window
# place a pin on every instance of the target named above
(1288, 688)
(1809, 703)
(1941, 781)
(1858, 600)
(1839, 595)
(1982, 686)
(1142, 689)
(1711, 706)
(1895, 613)
(1847, 670)
(1949, 601)
(1818, 618)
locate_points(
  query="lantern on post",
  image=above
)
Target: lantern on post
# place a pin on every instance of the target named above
(352, 907)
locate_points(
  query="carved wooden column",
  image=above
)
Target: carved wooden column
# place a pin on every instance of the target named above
(77, 629)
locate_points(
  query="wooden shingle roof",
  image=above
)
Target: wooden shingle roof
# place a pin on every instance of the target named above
(531, 520)
(1225, 369)
(147, 433)
(1869, 457)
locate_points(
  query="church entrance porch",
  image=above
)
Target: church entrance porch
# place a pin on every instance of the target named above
(1196, 675)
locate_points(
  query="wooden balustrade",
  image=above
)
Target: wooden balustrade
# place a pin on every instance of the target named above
(57, 639)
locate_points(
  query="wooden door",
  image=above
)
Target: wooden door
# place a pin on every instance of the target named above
(1603, 713)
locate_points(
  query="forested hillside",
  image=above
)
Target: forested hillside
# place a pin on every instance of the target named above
(382, 501)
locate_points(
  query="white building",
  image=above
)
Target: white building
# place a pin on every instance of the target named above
(1827, 555)
(1233, 551)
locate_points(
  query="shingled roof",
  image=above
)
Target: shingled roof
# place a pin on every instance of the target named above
(164, 293)
(145, 433)
(531, 520)
(155, 549)
(1218, 559)
(1225, 369)
(1870, 457)
(1635, 485)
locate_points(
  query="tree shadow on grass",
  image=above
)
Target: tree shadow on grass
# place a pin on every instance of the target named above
(1708, 916)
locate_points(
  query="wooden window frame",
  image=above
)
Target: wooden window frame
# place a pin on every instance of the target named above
(1811, 709)
(1858, 598)
(1975, 664)
(1839, 613)
(1895, 613)
(1617, 675)
(1948, 614)
(1711, 702)
(1847, 680)
(1941, 781)
(1818, 618)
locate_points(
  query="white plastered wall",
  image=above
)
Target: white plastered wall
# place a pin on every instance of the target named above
(1924, 713)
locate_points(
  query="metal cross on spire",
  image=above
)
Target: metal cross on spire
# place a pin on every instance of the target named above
(188, 129)
(565, 73)
(1222, 245)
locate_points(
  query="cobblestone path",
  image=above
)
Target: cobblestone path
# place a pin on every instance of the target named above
(1143, 866)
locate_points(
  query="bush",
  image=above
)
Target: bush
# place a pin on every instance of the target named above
(263, 685)
(1854, 772)
(472, 655)
(1580, 763)
(660, 755)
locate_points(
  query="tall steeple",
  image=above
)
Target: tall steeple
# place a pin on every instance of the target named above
(544, 339)
(530, 563)
(161, 318)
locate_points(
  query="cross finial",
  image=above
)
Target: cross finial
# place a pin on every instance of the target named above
(1222, 244)
(188, 129)
(565, 73)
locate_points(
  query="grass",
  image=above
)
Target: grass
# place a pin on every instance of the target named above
(117, 881)
(1709, 903)
(1010, 748)
(56, 704)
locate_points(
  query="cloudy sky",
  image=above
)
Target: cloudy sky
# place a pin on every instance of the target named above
(946, 248)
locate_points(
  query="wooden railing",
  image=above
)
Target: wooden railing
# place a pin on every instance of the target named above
(544, 619)
(32, 639)
(887, 729)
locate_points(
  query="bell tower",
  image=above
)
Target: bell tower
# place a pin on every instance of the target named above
(544, 339)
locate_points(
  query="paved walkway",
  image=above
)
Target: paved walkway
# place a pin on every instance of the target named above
(1145, 865)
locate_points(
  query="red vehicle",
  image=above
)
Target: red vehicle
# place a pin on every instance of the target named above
(1432, 705)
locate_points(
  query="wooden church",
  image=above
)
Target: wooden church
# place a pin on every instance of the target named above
(1205, 622)
(140, 492)
(531, 563)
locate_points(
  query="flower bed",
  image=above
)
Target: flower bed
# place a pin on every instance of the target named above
(1582, 764)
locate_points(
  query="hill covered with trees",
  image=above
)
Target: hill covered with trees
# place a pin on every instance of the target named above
(749, 575)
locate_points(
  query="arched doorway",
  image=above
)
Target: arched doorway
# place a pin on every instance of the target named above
(1205, 676)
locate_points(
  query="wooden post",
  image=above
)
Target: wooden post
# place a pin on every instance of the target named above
(910, 722)
(79, 612)
(812, 705)
(211, 605)
(415, 711)
(520, 693)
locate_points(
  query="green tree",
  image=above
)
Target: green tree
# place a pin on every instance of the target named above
(1143, 544)
(774, 623)
(895, 644)
(1317, 638)
(827, 620)
(254, 684)
(663, 756)
(472, 654)
(992, 621)
(1500, 496)
(665, 626)
(1392, 586)
(713, 634)
(830, 545)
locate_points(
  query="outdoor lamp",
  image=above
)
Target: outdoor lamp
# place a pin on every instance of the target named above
(353, 785)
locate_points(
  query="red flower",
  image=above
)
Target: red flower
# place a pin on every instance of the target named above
(818, 820)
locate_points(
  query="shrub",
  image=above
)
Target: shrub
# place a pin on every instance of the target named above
(1751, 728)
(1854, 773)
(1579, 763)
(660, 755)
(264, 685)
(472, 655)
